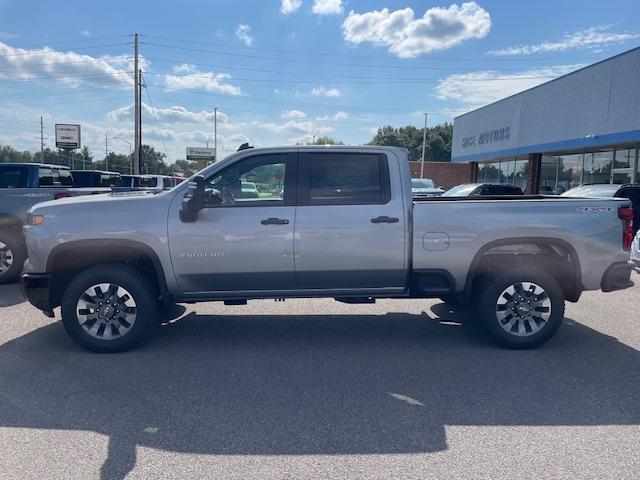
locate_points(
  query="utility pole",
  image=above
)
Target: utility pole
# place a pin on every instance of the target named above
(137, 141)
(424, 145)
(141, 161)
(215, 134)
(106, 152)
(41, 140)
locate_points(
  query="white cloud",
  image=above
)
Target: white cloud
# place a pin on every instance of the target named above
(327, 7)
(591, 38)
(189, 77)
(294, 126)
(85, 33)
(476, 89)
(294, 114)
(172, 115)
(290, 6)
(66, 67)
(324, 92)
(408, 37)
(243, 32)
(339, 116)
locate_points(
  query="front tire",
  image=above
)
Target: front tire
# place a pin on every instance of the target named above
(12, 256)
(110, 308)
(522, 308)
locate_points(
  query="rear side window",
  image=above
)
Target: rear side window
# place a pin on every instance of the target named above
(346, 179)
(15, 177)
(66, 179)
(167, 183)
(149, 182)
(45, 177)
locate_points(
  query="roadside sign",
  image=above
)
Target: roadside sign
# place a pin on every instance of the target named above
(201, 153)
(67, 136)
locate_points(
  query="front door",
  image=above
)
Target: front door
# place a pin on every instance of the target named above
(242, 240)
(350, 223)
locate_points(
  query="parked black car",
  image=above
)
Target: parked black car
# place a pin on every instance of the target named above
(96, 178)
(482, 189)
(630, 191)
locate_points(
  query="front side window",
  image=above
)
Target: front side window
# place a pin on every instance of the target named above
(347, 179)
(253, 181)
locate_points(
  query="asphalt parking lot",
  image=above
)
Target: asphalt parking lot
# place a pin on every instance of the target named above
(319, 389)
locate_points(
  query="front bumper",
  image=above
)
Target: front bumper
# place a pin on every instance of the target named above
(617, 277)
(36, 287)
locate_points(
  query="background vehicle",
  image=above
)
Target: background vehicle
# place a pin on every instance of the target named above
(425, 187)
(96, 178)
(630, 191)
(22, 185)
(113, 263)
(149, 182)
(249, 190)
(482, 189)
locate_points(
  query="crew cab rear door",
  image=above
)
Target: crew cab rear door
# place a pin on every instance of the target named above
(350, 222)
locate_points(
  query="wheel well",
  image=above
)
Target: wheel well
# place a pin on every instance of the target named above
(555, 257)
(70, 259)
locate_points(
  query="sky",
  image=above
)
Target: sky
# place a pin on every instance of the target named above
(283, 71)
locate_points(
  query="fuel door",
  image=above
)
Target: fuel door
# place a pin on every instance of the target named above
(435, 241)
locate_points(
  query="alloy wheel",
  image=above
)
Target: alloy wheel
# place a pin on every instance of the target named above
(6, 258)
(523, 309)
(106, 311)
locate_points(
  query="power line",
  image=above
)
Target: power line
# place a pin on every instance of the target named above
(84, 39)
(327, 54)
(65, 103)
(63, 77)
(46, 51)
(146, 89)
(68, 62)
(292, 60)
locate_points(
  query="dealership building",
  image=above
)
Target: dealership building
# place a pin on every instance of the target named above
(580, 128)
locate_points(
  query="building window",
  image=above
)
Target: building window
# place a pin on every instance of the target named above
(597, 167)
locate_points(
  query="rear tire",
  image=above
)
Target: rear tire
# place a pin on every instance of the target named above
(521, 308)
(13, 253)
(110, 308)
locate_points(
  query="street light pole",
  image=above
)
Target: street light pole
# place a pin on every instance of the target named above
(130, 156)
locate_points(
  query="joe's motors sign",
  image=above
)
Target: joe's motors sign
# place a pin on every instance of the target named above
(67, 136)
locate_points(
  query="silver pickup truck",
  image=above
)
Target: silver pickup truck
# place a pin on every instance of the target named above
(22, 185)
(334, 222)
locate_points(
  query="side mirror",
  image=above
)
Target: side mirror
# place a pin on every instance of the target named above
(193, 200)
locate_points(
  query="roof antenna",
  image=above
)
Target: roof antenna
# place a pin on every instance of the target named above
(244, 146)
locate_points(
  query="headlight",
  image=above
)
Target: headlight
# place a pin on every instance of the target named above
(35, 219)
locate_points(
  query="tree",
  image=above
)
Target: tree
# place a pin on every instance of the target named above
(186, 167)
(438, 147)
(325, 140)
(153, 161)
(9, 154)
(86, 154)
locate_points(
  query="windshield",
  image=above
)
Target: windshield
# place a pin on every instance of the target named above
(592, 191)
(460, 190)
(422, 183)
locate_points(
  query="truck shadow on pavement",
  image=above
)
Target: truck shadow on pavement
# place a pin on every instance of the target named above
(10, 294)
(316, 384)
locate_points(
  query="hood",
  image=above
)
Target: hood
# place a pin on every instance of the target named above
(88, 202)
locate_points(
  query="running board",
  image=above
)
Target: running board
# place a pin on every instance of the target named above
(355, 299)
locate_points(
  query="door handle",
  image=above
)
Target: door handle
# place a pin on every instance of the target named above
(274, 221)
(385, 219)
